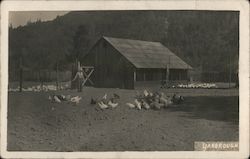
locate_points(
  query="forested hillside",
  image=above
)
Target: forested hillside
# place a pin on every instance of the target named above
(201, 38)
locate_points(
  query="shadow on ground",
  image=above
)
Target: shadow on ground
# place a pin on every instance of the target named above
(211, 108)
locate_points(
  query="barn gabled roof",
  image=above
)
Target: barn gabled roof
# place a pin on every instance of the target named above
(146, 54)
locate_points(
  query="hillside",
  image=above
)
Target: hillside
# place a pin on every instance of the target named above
(201, 38)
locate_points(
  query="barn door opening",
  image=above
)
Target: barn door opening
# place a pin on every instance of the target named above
(129, 78)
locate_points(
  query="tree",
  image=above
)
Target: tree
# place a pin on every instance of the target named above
(81, 42)
(197, 37)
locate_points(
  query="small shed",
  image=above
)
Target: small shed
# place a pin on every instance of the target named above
(120, 63)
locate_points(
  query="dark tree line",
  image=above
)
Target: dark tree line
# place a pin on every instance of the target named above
(203, 39)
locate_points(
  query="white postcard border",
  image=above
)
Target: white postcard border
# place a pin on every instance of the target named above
(242, 6)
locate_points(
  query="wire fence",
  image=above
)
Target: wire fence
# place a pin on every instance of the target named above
(62, 78)
(37, 76)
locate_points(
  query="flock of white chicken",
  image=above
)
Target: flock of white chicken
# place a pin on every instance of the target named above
(197, 85)
(146, 100)
(105, 102)
(39, 88)
(67, 98)
(149, 100)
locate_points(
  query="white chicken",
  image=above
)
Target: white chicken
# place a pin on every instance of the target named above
(162, 94)
(104, 99)
(156, 105)
(105, 96)
(68, 97)
(56, 99)
(177, 99)
(138, 104)
(113, 105)
(76, 99)
(145, 92)
(130, 105)
(50, 98)
(164, 101)
(145, 105)
(151, 94)
(102, 105)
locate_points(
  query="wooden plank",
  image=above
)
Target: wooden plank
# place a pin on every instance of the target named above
(134, 75)
(87, 67)
(85, 80)
(85, 74)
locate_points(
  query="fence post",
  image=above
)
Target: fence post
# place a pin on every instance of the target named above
(20, 75)
(56, 75)
(229, 71)
(72, 76)
(42, 80)
(73, 73)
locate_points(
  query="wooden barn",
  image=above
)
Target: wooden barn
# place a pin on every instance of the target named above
(121, 63)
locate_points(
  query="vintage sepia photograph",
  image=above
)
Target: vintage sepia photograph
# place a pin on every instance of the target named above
(123, 80)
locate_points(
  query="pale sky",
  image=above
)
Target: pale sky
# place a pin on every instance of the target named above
(20, 18)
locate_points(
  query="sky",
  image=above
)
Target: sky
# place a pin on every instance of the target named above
(20, 18)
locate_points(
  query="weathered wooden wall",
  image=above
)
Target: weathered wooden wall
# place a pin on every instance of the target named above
(150, 74)
(111, 68)
(178, 74)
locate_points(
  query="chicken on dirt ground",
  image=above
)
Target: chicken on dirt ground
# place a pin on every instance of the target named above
(106, 102)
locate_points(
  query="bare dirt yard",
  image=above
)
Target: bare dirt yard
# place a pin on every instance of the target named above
(37, 124)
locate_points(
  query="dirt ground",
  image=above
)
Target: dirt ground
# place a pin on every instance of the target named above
(36, 124)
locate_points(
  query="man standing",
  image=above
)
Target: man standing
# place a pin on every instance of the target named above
(80, 78)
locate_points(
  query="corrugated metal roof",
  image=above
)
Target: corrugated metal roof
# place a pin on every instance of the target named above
(147, 54)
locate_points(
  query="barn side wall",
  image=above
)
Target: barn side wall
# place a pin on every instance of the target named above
(112, 70)
(154, 74)
(178, 74)
(156, 77)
